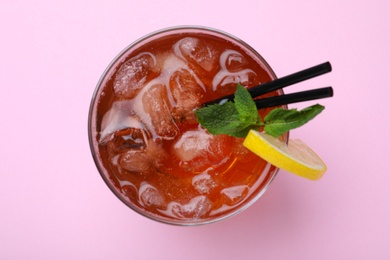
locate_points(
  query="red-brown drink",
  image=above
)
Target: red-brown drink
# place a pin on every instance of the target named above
(146, 141)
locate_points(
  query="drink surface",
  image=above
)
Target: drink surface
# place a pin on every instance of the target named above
(151, 150)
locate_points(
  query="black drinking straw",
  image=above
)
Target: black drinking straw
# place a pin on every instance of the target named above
(281, 82)
(294, 97)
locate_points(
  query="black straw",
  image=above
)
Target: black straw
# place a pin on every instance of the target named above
(294, 97)
(281, 82)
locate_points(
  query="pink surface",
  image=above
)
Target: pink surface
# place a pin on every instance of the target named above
(54, 204)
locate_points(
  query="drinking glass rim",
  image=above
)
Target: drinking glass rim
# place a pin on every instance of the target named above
(140, 40)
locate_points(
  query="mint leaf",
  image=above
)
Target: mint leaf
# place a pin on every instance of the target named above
(223, 119)
(238, 117)
(280, 121)
(243, 131)
(218, 119)
(234, 119)
(245, 106)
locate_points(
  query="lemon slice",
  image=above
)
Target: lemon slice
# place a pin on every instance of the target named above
(296, 157)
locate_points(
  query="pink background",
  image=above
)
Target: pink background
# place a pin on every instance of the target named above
(54, 204)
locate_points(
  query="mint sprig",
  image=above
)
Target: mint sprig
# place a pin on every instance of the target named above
(238, 117)
(231, 118)
(280, 121)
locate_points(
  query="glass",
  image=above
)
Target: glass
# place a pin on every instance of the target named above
(144, 137)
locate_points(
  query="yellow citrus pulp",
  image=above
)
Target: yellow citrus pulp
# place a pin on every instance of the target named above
(296, 157)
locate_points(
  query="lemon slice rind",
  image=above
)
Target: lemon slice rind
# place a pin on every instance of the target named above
(296, 157)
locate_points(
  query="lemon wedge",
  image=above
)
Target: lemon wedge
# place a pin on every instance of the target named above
(296, 157)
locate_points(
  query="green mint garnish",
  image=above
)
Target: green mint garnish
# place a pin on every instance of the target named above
(231, 118)
(280, 121)
(238, 117)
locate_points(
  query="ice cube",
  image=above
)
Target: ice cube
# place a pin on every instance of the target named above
(126, 139)
(186, 90)
(133, 74)
(197, 207)
(197, 52)
(121, 131)
(198, 150)
(234, 61)
(234, 70)
(192, 144)
(135, 161)
(119, 117)
(203, 183)
(235, 194)
(156, 103)
(231, 197)
(142, 161)
(150, 196)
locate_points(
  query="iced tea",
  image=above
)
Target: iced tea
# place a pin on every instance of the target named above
(146, 141)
